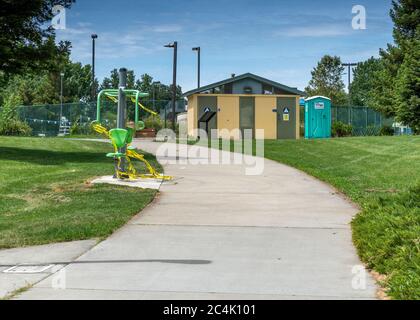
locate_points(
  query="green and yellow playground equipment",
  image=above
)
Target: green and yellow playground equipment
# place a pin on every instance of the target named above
(122, 136)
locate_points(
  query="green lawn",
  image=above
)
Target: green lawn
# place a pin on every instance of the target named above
(45, 195)
(381, 175)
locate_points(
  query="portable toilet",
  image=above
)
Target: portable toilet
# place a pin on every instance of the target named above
(317, 117)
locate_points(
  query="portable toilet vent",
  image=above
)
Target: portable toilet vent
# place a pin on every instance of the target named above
(317, 117)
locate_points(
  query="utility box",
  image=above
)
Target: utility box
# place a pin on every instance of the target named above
(317, 117)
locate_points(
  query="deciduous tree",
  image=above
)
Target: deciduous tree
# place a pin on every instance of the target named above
(327, 80)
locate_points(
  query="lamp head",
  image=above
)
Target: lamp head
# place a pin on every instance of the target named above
(94, 36)
(196, 49)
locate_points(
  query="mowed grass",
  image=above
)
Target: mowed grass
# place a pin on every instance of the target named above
(381, 175)
(45, 194)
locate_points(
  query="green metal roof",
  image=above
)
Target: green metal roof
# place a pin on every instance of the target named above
(290, 90)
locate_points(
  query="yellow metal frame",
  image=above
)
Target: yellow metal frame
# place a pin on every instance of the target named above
(131, 172)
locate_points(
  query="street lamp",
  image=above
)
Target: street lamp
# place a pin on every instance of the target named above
(61, 95)
(174, 45)
(198, 49)
(349, 65)
(94, 37)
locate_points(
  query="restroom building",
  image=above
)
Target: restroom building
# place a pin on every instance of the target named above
(245, 102)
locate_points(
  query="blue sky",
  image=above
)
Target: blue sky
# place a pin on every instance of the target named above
(277, 39)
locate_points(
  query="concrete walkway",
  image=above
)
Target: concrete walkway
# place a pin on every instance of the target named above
(216, 233)
(39, 263)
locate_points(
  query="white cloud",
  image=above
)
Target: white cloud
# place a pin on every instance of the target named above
(114, 44)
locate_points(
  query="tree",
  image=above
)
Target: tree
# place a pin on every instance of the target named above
(43, 87)
(25, 40)
(396, 91)
(131, 79)
(145, 83)
(112, 82)
(77, 82)
(406, 17)
(364, 76)
(383, 82)
(408, 88)
(326, 80)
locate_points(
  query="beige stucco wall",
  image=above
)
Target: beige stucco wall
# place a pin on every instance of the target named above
(192, 114)
(265, 118)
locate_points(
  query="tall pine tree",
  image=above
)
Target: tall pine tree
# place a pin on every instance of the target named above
(396, 89)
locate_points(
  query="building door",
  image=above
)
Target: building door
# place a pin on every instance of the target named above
(286, 118)
(247, 114)
(207, 105)
(319, 120)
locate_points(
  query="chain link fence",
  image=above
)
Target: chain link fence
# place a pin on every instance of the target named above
(46, 120)
(365, 121)
(49, 120)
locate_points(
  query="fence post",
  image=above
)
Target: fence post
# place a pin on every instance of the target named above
(349, 116)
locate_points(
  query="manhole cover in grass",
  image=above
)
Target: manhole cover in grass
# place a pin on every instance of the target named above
(28, 269)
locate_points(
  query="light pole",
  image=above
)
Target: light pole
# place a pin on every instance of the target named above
(174, 45)
(94, 37)
(198, 49)
(349, 65)
(61, 95)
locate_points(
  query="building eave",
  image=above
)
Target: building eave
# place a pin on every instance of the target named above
(283, 87)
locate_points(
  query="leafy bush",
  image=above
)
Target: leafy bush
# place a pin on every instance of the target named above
(10, 125)
(154, 122)
(15, 127)
(80, 129)
(340, 129)
(387, 131)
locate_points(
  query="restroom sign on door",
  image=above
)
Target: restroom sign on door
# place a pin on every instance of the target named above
(286, 114)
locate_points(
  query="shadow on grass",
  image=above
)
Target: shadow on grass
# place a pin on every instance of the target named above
(46, 157)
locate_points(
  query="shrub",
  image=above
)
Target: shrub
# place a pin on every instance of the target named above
(81, 129)
(10, 125)
(340, 129)
(387, 131)
(14, 127)
(154, 122)
(169, 126)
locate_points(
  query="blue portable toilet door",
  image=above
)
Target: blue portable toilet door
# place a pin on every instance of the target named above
(319, 120)
(317, 117)
(319, 123)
